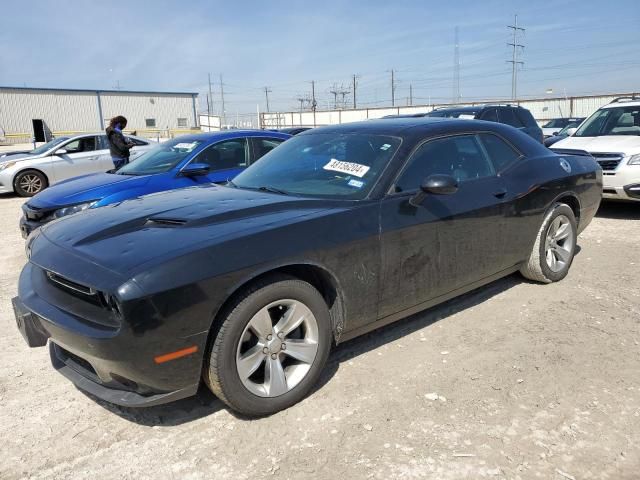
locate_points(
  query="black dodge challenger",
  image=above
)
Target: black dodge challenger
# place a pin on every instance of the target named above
(336, 232)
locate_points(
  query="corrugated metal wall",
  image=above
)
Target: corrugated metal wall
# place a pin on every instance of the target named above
(543, 109)
(59, 109)
(78, 111)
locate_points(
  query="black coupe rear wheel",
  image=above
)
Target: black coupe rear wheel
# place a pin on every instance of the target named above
(271, 346)
(555, 246)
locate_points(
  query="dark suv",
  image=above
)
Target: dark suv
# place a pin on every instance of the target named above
(513, 115)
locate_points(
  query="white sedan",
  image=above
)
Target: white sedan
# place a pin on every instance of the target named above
(27, 173)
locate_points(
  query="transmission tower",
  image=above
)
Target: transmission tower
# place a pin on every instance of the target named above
(514, 58)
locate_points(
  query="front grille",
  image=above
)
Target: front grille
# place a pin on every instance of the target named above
(608, 161)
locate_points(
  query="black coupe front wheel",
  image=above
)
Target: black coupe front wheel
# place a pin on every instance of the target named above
(271, 346)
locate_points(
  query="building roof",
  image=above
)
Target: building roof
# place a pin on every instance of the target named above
(86, 90)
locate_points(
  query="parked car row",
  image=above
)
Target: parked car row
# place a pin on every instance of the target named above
(185, 161)
(245, 286)
(28, 173)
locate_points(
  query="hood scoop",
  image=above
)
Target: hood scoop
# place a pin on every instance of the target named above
(165, 222)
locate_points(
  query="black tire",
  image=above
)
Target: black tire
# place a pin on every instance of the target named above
(220, 371)
(537, 267)
(29, 182)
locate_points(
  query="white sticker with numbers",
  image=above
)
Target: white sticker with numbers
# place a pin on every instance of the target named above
(347, 167)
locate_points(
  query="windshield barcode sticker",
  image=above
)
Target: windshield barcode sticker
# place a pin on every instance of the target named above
(347, 167)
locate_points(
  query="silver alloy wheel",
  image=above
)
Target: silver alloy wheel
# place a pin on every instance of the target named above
(559, 243)
(277, 348)
(31, 183)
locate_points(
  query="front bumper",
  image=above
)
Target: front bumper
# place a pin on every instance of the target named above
(114, 363)
(27, 226)
(622, 183)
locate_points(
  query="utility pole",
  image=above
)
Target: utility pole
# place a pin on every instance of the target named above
(209, 99)
(393, 89)
(314, 104)
(410, 94)
(267, 90)
(354, 90)
(456, 69)
(514, 58)
(222, 98)
(335, 96)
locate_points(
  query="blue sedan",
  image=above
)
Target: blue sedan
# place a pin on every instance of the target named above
(184, 161)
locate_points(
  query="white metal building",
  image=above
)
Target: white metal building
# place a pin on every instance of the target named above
(543, 109)
(73, 111)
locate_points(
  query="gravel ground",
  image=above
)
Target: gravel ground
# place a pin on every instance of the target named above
(515, 380)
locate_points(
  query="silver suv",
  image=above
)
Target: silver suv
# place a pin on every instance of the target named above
(612, 136)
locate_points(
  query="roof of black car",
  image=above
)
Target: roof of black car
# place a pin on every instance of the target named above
(391, 126)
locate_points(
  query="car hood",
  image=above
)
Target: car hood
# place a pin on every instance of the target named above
(85, 188)
(6, 156)
(124, 236)
(627, 144)
(12, 156)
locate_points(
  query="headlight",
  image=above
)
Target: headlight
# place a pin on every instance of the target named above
(634, 160)
(5, 165)
(63, 212)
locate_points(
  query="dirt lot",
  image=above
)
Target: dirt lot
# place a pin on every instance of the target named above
(516, 380)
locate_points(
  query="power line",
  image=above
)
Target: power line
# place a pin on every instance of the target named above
(514, 59)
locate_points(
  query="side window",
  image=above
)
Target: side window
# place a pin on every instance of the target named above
(182, 122)
(263, 146)
(509, 117)
(150, 122)
(526, 118)
(85, 144)
(490, 115)
(225, 155)
(459, 156)
(103, 142)
(500, 152)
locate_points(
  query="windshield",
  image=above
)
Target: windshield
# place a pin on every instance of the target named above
(162, 158)
(569, 126)
(322, 165)
(611, 121)
(556, 123)
(48, 146)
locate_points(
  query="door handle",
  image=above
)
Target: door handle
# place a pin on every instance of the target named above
(500, 193)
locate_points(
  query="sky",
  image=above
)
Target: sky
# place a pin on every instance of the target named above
(571, 47)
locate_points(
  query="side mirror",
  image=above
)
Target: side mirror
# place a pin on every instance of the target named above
(555, 133)
(437, 184)
(570, 131)
(61, 151)
(195, 170)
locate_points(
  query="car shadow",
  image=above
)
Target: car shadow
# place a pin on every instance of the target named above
(205, 403)
(617, 210)
(201, 405)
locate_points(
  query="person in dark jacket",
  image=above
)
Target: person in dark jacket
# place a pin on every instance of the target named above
(118, 145)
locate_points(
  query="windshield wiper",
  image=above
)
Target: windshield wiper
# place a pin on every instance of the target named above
(268, 188)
